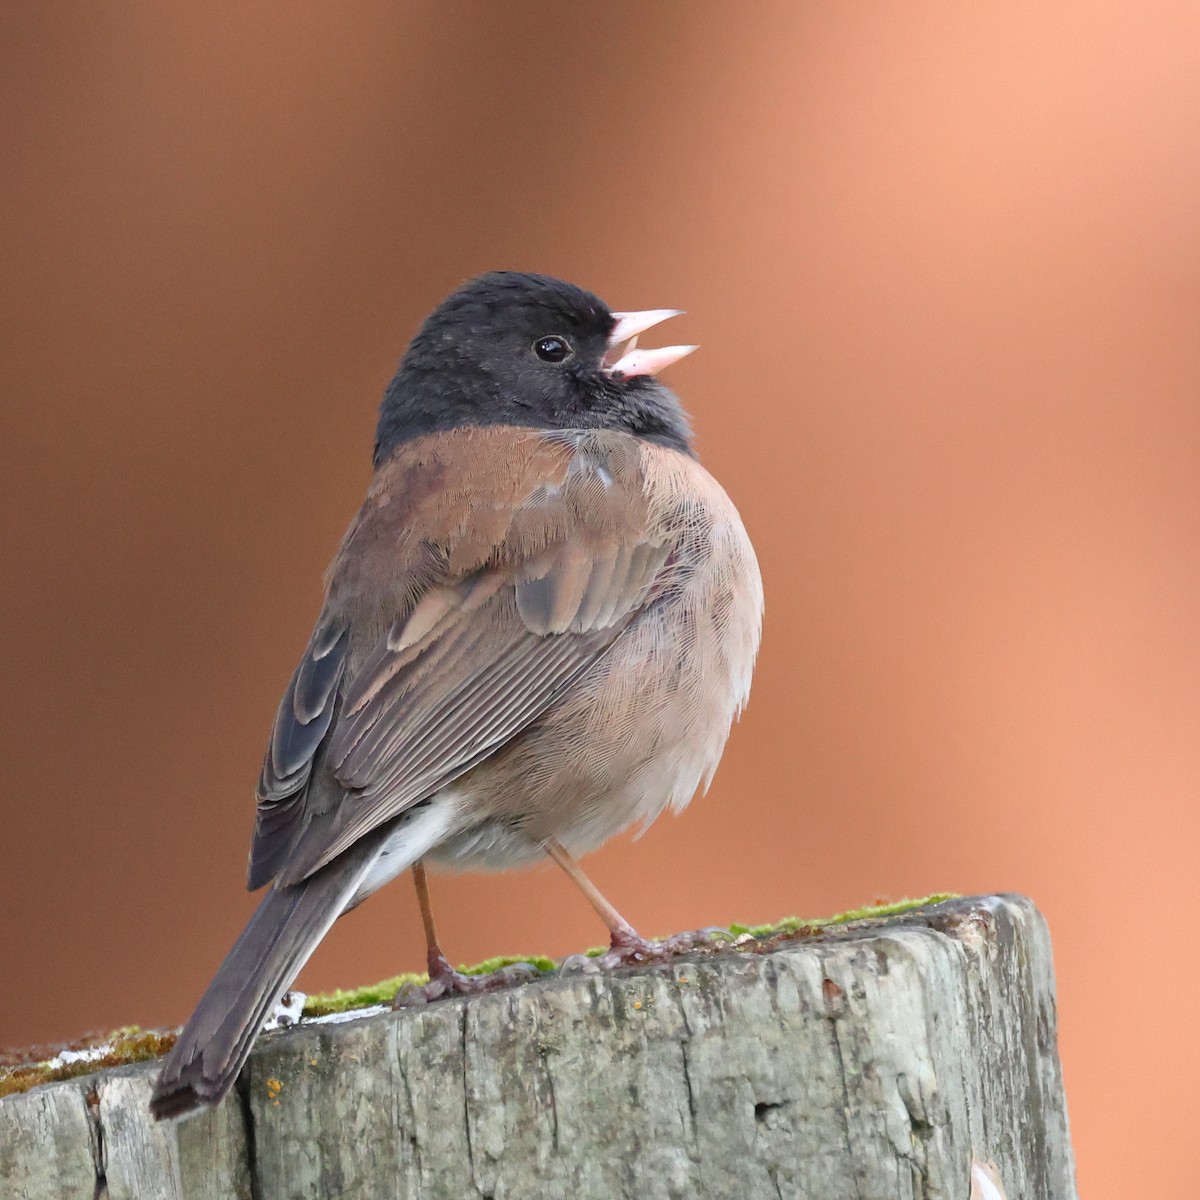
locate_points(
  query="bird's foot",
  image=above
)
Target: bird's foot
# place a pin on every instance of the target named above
(445, 981)
(629, 949)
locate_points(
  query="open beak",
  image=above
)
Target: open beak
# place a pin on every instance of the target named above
(626, 359)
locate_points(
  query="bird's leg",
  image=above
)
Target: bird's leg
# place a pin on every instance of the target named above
(444, 980)
(439, 967)
(626, 945)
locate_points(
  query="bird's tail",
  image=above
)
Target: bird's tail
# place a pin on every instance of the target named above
(282, 933)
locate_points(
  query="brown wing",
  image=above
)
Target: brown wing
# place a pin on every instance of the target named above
(487, 571)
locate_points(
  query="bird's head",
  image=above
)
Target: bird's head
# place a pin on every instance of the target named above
(510, 348)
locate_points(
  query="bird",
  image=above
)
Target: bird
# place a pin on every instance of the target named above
(536, 633)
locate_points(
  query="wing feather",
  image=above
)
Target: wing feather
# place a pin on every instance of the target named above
(301, 724)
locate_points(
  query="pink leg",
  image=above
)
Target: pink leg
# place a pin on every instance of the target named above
(439, 967)
(626, 945)
(444, 980)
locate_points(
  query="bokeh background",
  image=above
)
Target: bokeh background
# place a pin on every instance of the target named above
(943, 262)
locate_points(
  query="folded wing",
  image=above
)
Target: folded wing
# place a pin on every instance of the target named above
(453, 621)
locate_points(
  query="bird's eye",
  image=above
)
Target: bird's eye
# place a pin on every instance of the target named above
(552, 349)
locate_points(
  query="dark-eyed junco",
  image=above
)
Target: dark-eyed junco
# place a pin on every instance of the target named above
(536, 632)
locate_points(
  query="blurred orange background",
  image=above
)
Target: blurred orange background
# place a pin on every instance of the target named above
(943, 262)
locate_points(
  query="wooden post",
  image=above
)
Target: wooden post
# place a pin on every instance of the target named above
(875, 1061)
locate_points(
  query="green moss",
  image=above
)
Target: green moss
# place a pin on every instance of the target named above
(126, 1045)
(870, 912)
(382, 992)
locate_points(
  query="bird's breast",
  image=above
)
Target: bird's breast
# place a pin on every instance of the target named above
(646, 726)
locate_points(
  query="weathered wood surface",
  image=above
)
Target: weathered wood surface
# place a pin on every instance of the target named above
(873, 1062)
